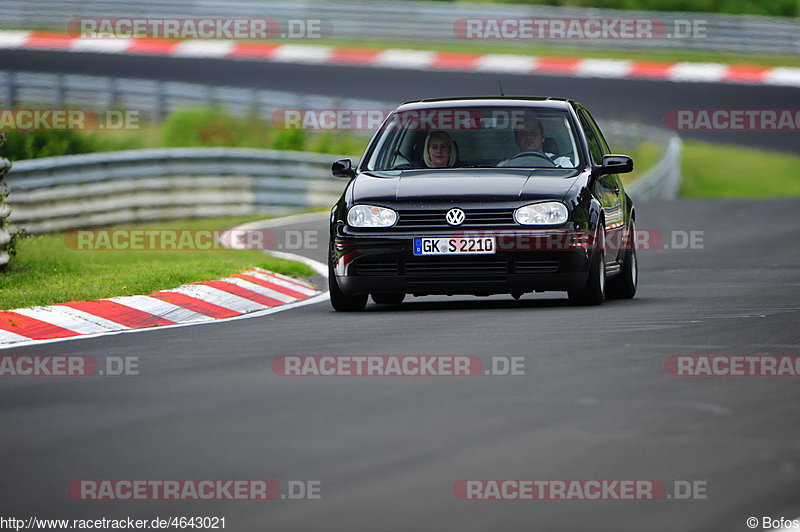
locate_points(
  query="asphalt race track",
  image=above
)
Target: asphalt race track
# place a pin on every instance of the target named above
(595, 402)
(619, 99)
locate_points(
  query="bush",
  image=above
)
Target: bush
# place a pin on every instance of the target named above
(185, 128)
(37, 144)
(777, 8)
(34, 144)
(195, 127)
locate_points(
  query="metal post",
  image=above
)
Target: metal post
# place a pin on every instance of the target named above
(160, 106)
(10, 90)
(58, 92)
(113, 93)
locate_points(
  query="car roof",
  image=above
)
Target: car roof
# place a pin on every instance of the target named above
(540, 102)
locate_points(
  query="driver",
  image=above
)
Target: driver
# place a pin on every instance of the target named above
(529, 134)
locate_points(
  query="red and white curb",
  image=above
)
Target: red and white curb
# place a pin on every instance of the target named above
(252, 293)
(410, 59)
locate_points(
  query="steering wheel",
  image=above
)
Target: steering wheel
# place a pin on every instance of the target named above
(529, 154)
(532, 154)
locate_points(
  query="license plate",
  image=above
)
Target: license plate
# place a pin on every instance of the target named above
(484, 245)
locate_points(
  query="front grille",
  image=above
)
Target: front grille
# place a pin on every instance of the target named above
(535, 266)
(456, 267)
(372, 267)
(427, 219)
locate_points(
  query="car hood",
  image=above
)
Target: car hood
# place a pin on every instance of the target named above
(463, 185)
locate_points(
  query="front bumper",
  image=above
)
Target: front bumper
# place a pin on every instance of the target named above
(525, 261)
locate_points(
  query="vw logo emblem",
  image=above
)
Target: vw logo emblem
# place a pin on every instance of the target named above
(454, 217)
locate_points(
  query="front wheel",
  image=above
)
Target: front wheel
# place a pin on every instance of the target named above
(594, 293)
(342, 302)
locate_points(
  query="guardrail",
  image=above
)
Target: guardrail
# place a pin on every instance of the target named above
(5, 237)
(663, 180)
(420, 21)
(75, 191)
(158, 98)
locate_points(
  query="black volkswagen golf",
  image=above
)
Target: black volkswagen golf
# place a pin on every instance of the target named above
(483, 196)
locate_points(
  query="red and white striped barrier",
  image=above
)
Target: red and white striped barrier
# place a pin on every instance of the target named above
(409, 59)
(251, 291)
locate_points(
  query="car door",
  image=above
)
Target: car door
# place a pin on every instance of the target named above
(608, 188)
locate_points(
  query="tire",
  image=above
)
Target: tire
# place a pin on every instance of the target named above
(392, 298)
(342, 302)
(624, 285)
(594, 293)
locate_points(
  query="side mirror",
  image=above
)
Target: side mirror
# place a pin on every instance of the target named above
(616, 164)
(343, 168)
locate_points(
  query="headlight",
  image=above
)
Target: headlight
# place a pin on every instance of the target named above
(371, 216)
(548, 213)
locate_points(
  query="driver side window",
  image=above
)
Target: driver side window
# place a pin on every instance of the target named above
(595, 149)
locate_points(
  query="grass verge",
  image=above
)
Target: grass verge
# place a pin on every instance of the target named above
(781, 8)
(721, 171)
(645, 155)
(45, 271)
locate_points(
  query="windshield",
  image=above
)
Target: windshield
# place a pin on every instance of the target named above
(482, 137)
